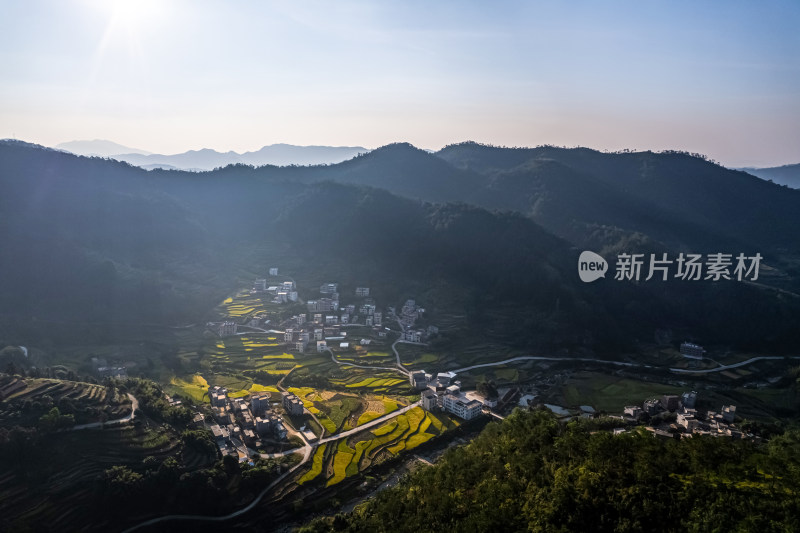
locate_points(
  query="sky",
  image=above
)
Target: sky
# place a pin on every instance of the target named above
(717, 77)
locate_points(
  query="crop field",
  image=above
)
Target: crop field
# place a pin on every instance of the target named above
(334, 410)
(376, 381)
(55, 491)
(610, 393)
(377, 407)
(415, 356)
(255, 388)
(81, 395)
(404, 432)
(195, 387)
(316, 465)
(243, 304)
(461, 355)
(362, 356)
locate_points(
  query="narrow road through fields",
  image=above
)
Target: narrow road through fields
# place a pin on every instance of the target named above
(397, 354)
(308, 450)
(369, 424)
(622, 363)
(394, 369)
(543, 358)
(734, 365)
(131, 416)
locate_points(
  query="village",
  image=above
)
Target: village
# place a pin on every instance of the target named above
(243, 425)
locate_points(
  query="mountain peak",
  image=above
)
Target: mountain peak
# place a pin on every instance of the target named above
(99, 147)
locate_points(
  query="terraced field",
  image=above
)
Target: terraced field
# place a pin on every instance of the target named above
(375, 381)
(369, 357)
(194, 387)
(85, 397)
(316, 465)
(70, 472)
(243, 305)
(352, 455)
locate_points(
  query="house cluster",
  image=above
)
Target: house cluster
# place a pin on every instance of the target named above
(325, 318)
(246, 420)
(441, 393)
(299, 332)
(283, 293)
(688, 420)
(408, 316)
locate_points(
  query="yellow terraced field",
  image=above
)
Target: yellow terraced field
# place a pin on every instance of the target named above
(316, 465)
(342, 459)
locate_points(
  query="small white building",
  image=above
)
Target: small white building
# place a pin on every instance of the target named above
(322, 346)
(362, 291)
(273, 271)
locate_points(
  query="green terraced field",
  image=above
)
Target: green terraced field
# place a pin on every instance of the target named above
(194, 387)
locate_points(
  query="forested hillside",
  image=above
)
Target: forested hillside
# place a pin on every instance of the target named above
(531, 473)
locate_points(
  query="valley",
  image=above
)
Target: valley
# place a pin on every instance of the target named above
(281, 340)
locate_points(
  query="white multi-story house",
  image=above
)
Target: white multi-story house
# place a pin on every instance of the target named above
(328, 288)
(362, 291)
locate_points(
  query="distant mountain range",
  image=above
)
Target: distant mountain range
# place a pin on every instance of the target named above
(788, 175)
(208, 159)
(490, 235)
(98, 148)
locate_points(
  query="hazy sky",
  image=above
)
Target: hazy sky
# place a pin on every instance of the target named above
(717, 77)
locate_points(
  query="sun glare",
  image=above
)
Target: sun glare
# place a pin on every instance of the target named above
(133, 13)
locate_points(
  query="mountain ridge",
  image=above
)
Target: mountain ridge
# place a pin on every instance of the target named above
(280, 154)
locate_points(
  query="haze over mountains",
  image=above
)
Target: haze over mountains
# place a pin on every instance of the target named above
(208, 159)
(490, 235)
(788, 175)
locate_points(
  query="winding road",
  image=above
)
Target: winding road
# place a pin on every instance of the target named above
(391, 368)
(543, 358)
(131, 416)
(309, 447)
(734, 365)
